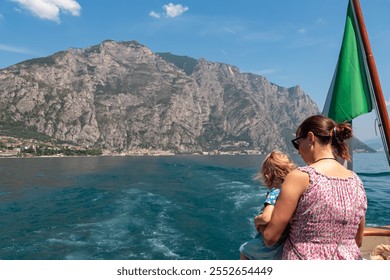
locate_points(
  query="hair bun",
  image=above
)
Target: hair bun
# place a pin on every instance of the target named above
(342, 131)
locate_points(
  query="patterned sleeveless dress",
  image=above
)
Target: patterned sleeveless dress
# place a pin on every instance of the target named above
(326, 220)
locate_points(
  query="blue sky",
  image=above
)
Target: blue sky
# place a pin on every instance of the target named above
(289, 42)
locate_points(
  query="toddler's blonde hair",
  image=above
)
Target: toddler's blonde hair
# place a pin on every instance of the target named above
(275, 168)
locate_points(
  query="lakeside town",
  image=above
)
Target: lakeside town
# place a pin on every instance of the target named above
(14, 147)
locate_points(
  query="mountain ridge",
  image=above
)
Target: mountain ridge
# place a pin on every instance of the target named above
(123, 96)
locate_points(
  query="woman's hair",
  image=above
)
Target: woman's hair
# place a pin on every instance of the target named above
(327, 131)
(275, 168)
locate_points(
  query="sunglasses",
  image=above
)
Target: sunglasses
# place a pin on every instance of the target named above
(296, 143)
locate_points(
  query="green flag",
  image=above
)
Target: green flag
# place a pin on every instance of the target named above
(349, 94)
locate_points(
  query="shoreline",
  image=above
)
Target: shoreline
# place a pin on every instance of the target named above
(136, 154)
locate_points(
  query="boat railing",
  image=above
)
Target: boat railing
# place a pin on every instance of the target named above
(376, 243)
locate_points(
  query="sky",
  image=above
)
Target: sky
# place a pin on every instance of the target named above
(288, 42)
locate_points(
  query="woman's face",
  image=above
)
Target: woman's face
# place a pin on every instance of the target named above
(304, 148)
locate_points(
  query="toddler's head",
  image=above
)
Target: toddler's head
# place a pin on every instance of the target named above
(275, 168)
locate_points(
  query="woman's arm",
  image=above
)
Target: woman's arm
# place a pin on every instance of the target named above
(360, 232)
(292, 189)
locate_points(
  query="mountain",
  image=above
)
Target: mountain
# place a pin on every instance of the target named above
(361, 147)
(121, 96)
(375, 143)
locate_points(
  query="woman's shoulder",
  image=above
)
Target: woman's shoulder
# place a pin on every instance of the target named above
(300, 172)
(306, 171)
(295, 184)
(298, 177)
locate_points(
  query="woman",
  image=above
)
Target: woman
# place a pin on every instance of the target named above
(324, 202)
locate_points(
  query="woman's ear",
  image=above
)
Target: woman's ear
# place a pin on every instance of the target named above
(311, 136)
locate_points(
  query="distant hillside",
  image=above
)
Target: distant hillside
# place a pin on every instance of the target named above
(375, 143)
(121, 95)
(359, 146)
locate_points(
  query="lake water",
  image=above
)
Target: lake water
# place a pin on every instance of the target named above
(111, 208)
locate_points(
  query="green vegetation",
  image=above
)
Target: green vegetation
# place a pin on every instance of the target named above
(29, 142)
(49, 151)
(20, 130)
(40, 61)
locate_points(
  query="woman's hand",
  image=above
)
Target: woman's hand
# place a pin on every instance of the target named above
(261, 228)
(264, 218)
(259, 223)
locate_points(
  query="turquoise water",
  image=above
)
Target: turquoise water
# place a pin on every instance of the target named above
(181, 207)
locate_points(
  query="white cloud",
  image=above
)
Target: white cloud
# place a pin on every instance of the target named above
(50, 9)
(388, 103)
(171, 11)
(13, 49)
(154, 14)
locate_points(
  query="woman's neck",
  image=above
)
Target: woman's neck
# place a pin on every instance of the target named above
(321, 156)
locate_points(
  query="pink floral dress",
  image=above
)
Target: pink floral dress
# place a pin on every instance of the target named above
(326, 220)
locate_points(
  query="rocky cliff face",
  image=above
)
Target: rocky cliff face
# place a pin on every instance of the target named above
(121, 95)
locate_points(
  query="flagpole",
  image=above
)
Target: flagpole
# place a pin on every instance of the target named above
(380, 101)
